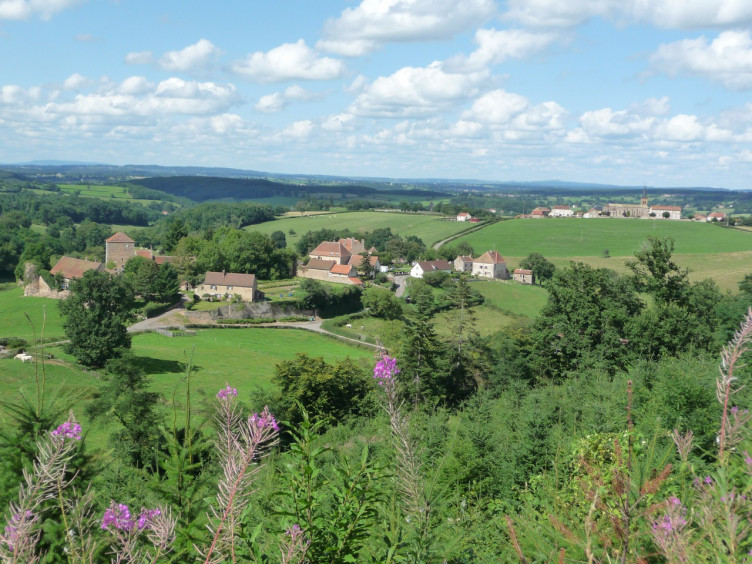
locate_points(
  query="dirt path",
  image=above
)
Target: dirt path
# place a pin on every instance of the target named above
(438, 245)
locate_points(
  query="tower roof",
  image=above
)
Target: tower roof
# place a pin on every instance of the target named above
(120, 237)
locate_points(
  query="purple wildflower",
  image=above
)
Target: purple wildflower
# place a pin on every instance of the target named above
(263, 420)
(385, 369)
(708, 480)
(227, 392)
(68, 430)
(747, 458)
(117, 517)
(674, 501)
(735, 409)
(146, 517)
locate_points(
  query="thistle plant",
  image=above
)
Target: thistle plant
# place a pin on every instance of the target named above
(242, 445)
(47, 477)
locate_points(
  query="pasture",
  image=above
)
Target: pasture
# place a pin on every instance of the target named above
(243, 357)
(429, 228)
(13, 309)
(708, 250)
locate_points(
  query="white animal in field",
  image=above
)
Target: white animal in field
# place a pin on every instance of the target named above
(23, 357)
(349, 325)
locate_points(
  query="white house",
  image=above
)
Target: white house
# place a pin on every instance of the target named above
(421, 268)
(490, 265)
(561, 211)
(674, 212)
(463, 216)
(719, 216)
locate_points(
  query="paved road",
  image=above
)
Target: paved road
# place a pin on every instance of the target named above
(401, 282)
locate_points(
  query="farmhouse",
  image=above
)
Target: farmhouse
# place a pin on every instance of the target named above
(72, 268)
(331, 250)
(373, 263)
(221, 284)
(354, 246)
(463, 263)
(718, 216)
(421, 268)
(463, 216)
(539, 212)
(561, 211)
(523, 276)
(490, 265)
(674, 212)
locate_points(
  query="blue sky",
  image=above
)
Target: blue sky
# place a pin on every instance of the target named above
(652, 92)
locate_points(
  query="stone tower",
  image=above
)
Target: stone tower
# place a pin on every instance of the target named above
(118, 250)
(644, 200)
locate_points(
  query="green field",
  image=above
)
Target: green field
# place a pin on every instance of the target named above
(13, 307)
(509, 296)
(429, 228)
(709, 251)
(243, 357)
(96, 191)
(568, 237)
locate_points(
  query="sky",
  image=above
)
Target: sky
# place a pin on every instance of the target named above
(630, 92)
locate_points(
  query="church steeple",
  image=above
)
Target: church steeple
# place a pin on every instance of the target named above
(644, 200)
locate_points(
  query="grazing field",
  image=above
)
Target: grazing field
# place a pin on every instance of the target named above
(13, 307)
(96, 191)
(511, 297)
(709, 251)
(243, 357)
(429, 228)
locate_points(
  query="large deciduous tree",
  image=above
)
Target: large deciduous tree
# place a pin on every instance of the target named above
(95, 317)
(543, 269)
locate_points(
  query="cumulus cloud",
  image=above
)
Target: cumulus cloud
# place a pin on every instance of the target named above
(673, 14)
(87, 38)
(495, 47)
(289, 61)
(278, 101)
(193, 58)
(298, 130)
(416, 91)
(727, 59)
(76, 82)
(338, 122)
(362, 29)
(515, 112)
(25, 9)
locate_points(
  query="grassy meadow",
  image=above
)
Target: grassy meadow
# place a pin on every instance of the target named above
(14, 307)
(708, 250)
(243, 357)
(429, 228)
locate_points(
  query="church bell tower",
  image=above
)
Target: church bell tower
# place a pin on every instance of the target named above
(644, 200)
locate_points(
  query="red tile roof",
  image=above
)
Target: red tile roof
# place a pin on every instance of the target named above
(561, 207)
(717, 215)
(353, 245)
(341, 269)
(72, 268)
(120, 237)
(355, 260)
(491, 257)
(146, 253)
(320, 264)
(355, 281)
(230, 279)
(523, 271)
(667, 208)
(331, 249)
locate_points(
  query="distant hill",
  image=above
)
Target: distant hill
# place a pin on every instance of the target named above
(203, 188)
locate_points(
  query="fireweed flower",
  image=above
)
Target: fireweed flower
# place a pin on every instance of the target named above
(117, 517)
(263, 420)
(385, 369)
(68, 430)
(146, 517)
(227, 392)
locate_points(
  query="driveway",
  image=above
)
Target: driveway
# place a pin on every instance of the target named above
(401, 282)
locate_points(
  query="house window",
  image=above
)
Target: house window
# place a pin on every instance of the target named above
(213, 287)
(229, 288)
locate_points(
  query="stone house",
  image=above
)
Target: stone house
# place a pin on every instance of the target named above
(331, 250)
(221, 284)
(674, 212)
(72, 269)
(561, 211)
(463, 263)
(119, 249)
(523, 276)
(490, 265)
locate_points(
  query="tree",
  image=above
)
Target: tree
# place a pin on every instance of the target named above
(175, 233)
(125, 398)
(542, 268)
(585, 322)
(95, 317)
(745, 286)
(280, 241)
(654, 272)
(666, 215)
(381, 303)
(141, 273)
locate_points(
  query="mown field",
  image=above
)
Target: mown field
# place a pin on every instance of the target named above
(429, 228)
(243, 357)
(99, 191)
(708, 250)
(13, 307)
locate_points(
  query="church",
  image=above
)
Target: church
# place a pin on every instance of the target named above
(643, 210)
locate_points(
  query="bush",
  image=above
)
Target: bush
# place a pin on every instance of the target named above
(249, 321)
(153, 309)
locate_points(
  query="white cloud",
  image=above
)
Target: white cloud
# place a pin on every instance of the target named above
(24, 9)
(339, 122)
(653, 106)
(682, 127)
(727, 59)
(87, 38)
(609, 123)
(299, 130)
(289, 61)
(139, 58)
(296, 92)
(512, 112)
(416, 91)
(271, 103)
(135, 85)
(76, 82)
(195, 57)
(495, 47)
(362, 29)
(673, 14)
